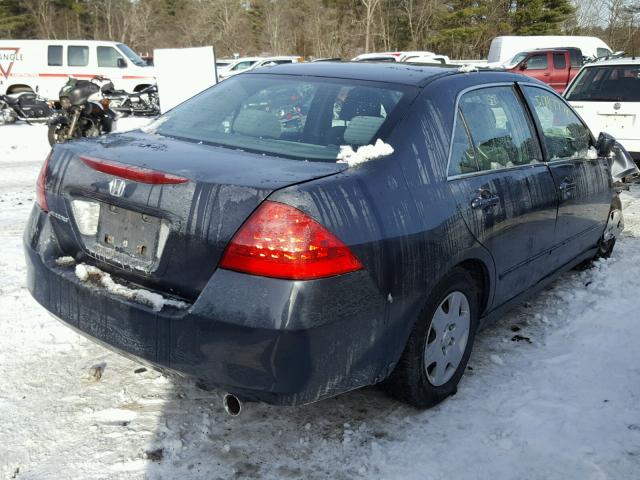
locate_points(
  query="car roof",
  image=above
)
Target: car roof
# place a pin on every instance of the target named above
(397, 72)
(614, 61)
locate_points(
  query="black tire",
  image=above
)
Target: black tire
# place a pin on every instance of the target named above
(409, 381)
(52, 134)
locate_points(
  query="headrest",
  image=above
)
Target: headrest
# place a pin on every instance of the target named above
(361, 130)
(257, 123)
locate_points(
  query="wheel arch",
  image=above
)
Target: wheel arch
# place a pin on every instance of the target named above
(480, 274)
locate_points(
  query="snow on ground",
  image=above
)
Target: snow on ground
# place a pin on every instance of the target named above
(552, 390)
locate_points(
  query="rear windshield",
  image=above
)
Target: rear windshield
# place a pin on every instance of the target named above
(294, 117)
(619, 83)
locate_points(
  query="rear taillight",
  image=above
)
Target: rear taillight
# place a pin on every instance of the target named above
(41, 197)
(137, 174)
(283, 242)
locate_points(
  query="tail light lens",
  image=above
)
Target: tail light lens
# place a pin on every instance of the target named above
(41, 198)
(138, 174)
(280, 241)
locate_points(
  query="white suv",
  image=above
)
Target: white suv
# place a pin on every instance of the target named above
(607, 96)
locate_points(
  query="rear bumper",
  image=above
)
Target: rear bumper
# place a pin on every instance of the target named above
(269, 340)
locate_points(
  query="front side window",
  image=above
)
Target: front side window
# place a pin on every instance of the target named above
(108, 57)
(77, 56)
(287, 116)
(54, 55)
(565, 136)
(537, 62)
(619, 83)
(603, 52)
(500, 128)
(131, 55)
(463, 158)
(242, 65)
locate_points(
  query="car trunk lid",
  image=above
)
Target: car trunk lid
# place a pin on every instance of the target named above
(168, 236)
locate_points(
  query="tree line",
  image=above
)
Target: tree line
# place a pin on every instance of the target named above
(320, 28)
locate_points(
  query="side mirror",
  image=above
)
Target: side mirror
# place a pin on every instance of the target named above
(523, 66)
(605, 144)
(122, 63)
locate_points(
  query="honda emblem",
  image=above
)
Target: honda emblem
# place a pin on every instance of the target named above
(117, 186)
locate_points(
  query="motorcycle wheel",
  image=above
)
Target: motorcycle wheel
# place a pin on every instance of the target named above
(57, 134)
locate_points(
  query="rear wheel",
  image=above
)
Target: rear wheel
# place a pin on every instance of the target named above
(440, 344)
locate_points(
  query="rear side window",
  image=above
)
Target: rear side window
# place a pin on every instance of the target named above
(287, 116)
(463, 158)
(54, 55)
(108, 57)
(537, 62)
(565, 136)
(576, 58)
(559, 61)
(77, 56)
(500, 128)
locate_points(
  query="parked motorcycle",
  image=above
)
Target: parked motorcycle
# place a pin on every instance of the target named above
(26, 106)
(142, 103)
(78, 117)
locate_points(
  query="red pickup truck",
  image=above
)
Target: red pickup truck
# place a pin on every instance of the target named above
(555, 67)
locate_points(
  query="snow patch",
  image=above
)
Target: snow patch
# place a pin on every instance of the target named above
(65, 261)
(154, 300)
(592, 154)
(468, 68)
(364, 153)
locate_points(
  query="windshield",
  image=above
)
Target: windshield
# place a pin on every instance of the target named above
(304, 119)
(618, 83)
(515, 60)
(131, 55)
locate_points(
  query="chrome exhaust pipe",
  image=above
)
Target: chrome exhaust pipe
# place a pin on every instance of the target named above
(232, 404)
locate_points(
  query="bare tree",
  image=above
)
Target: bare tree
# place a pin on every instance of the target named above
(370, 10)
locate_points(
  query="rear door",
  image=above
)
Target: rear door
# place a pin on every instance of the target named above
(504, 190)
(582, 179)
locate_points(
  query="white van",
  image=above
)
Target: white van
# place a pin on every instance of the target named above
(44, 66)
(505, 48)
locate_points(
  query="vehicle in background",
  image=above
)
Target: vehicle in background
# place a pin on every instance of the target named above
(504, 48)
(229, 245)
(222, 64)
(145, 103)
(327, 59)
(555, 67)
(26, 106)
(428, 60)
(76, 117)
(415, 56)
(249, 63)
(607, 96)
(43, 66)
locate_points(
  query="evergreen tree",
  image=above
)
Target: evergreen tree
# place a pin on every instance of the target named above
(539, 17)
(15, 21)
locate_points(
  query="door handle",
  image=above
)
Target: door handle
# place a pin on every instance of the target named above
(567, 186)
(547, 74)
(484, 199)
